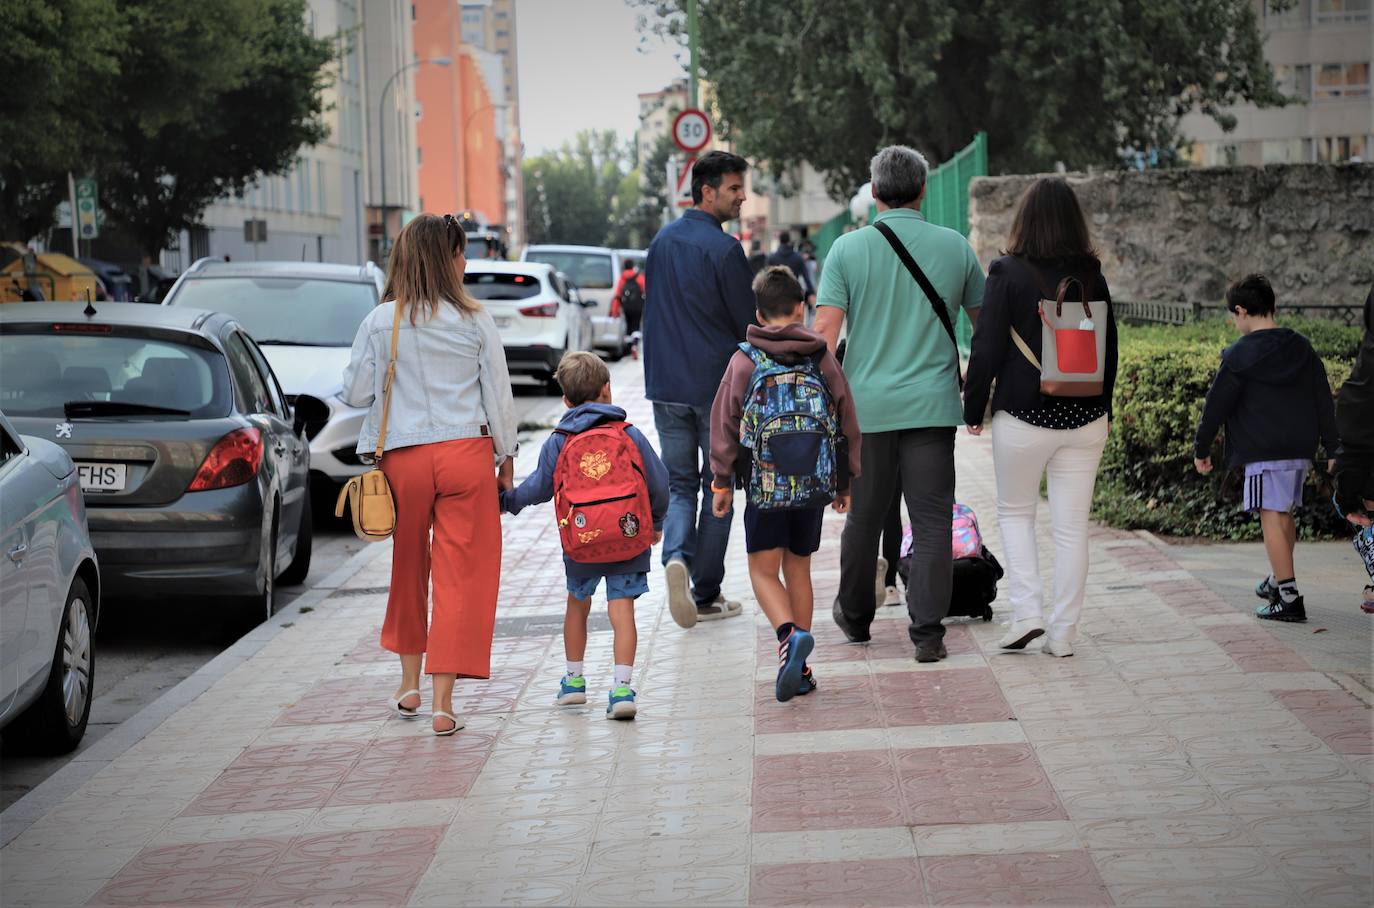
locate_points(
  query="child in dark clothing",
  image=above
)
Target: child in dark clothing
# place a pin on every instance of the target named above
(783, 538)
(586, 384)
(1272, 394)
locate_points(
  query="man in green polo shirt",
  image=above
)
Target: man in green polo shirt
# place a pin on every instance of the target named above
(903, 370)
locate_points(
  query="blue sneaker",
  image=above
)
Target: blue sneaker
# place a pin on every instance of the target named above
(792, 654)
(622, 703)
(572, 691)
(808, 684)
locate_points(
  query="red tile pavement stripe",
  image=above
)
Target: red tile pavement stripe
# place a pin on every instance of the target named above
(1063, 878)
(1335, 716)
(890, 881)
(218, 872)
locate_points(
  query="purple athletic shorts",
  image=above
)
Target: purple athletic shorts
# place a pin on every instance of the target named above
(1274, 485)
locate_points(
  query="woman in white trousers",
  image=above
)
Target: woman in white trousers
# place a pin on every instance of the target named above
(1035, 434)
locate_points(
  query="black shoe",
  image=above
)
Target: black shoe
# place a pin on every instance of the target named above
(1266, 590)
(932, 651)
(852, 634)
(1282, 611)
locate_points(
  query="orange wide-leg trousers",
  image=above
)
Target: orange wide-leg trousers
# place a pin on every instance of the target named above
(451, 487)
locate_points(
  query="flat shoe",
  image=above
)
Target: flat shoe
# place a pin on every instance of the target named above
(405, 712)
(457, 723)
(1022, 632)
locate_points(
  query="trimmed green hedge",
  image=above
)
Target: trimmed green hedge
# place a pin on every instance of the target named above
(1147, 479)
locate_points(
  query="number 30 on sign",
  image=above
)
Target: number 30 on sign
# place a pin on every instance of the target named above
(691, 130)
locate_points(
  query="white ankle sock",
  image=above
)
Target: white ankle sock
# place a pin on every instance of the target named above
(622, 674)
(574, 669)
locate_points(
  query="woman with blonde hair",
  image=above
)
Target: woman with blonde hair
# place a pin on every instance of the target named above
(450, 437)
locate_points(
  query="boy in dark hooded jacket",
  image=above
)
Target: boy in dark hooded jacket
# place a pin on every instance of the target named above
(586, 384)
(1272, 394)
(1355, 460)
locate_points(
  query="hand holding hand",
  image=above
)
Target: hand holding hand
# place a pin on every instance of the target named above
(1359, 520)
(658, 536)
(1203, 465)
(505, 475)
(974, 430)
(841, 503)
(722, 503)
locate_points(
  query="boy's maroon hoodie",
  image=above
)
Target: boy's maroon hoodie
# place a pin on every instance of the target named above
(725, 412)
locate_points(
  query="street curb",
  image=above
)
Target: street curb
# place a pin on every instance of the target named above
(50, 793)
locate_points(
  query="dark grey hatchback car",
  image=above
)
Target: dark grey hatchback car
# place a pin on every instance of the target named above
(193, 468)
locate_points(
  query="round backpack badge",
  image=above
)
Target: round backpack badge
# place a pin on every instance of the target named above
(629, 526)
(579, 520)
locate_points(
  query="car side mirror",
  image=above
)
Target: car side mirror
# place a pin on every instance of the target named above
(309, 414)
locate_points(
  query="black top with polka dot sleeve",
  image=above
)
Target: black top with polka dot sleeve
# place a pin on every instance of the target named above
(1061, 413)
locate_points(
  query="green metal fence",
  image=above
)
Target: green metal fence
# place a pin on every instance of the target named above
(946, 204)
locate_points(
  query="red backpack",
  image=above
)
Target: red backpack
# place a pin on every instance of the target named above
(601, 497)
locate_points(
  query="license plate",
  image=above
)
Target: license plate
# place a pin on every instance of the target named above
(102, 477)
(502, 321)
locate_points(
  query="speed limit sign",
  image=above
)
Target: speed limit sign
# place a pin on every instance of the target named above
(691, 130)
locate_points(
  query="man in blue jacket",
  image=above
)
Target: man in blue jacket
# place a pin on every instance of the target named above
(698, 305)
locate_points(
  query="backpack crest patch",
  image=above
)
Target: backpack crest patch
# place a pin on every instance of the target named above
(595, 465)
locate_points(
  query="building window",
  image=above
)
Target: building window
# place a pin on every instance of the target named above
(1286, 151)
(1338, 149)
(419, 156)
(1342, 80)
(1336, 12)
(319, 187)
(412, 12)
(305, 196)
(1294, 81)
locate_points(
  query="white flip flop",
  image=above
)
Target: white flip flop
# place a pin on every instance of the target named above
(457, 723)
(405, 712)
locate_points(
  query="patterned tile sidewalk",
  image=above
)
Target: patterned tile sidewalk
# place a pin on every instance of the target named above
(1185, 756)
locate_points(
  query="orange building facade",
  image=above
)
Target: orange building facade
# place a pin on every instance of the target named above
(461, 156)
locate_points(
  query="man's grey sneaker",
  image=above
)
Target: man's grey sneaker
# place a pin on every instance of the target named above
(1282, 611)
(931, 651)
(1267, 590)
(718, 608)
(880, 583)
(677, 579)
(851, 633)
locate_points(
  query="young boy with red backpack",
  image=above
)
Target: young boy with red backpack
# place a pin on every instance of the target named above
(610, 494)
(783, 426)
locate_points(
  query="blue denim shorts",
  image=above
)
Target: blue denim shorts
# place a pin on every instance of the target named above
(618, 586)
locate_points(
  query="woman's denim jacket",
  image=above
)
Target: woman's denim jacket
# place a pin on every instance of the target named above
(451, 380)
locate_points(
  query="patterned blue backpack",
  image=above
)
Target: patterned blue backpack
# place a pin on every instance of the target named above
(788, 423)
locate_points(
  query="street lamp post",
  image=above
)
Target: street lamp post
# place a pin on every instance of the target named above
(381, 135)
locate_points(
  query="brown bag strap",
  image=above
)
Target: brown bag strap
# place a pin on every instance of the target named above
(386, 384)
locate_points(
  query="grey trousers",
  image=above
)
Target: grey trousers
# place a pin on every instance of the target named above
(923, 461)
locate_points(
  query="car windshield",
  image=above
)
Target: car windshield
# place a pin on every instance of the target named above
(588, 270)
(279, 310)
(43, 371)
(501, 286)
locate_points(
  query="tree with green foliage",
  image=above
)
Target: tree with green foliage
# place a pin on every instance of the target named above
(587, 193)
(1075, 81)
(642, 197)
(173, 108)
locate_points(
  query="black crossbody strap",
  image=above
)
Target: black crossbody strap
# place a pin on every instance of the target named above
(937, 302)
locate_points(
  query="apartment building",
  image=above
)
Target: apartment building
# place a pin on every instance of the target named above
(389, 64)
(1321, 52)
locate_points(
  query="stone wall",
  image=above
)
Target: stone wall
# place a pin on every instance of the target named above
(1183, 235)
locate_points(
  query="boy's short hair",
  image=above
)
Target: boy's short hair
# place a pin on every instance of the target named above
(777, 291)
(1253, 293)
(581, 375)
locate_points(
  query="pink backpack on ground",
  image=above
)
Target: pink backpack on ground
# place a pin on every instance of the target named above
(967, 540)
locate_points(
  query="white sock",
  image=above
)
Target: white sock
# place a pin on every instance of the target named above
(622, 674)
(574, 669)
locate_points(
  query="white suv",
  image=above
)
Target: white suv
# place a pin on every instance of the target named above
(540, 314)
(595, 270)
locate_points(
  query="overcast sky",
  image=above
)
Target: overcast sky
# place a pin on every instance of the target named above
(582, 66)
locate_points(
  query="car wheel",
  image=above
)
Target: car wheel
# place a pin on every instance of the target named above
(299, 567)
(56, 722)
(260, 606)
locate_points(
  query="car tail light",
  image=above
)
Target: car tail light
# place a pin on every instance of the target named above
(546, 310)
(233, 460)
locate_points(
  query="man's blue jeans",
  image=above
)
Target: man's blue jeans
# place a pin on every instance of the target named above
(690, 531)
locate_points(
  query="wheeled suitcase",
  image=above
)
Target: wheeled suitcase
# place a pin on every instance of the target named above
(976, 569)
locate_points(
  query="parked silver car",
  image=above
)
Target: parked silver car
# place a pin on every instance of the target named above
(49, 595)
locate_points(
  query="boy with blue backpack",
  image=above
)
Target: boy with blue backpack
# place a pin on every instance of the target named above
(610, 495)
(783, 427)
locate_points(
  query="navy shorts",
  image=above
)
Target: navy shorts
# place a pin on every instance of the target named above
(798, 531)
(618, 586)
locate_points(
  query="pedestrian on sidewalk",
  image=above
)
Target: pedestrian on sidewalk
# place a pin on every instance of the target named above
(903, 366)
(449, 443)
(1033, 434)
(792, 468)
(787, 255)
(1355, 460)
(699, 305)
(629, 298)
(1272, 395)
(606, 454)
